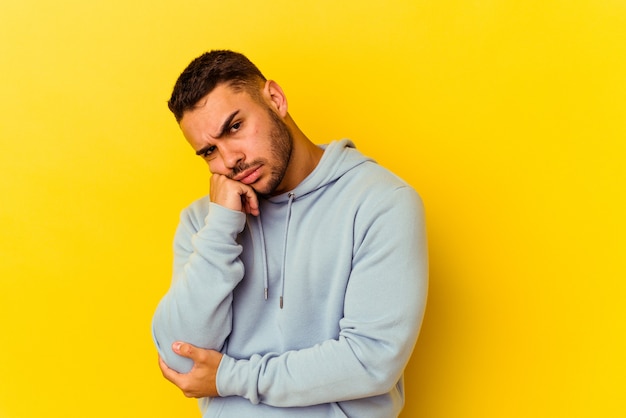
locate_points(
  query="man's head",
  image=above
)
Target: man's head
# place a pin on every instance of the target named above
(236, 120)
(209, 70)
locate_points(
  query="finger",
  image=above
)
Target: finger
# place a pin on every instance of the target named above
(169, 374)
(196, 354)
(250, 201)
(183, 349)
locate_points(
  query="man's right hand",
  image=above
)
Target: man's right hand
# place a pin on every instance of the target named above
(233, 195)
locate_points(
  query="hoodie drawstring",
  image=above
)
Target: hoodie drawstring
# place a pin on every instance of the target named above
(264, 256)
(266, 285)
(292, 196)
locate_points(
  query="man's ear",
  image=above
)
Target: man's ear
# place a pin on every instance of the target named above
(276, 97)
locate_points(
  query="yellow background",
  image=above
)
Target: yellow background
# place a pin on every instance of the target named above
(509, 117)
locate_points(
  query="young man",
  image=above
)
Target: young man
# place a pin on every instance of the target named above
(300, 282)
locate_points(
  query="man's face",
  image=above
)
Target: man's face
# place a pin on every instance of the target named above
(240, 138)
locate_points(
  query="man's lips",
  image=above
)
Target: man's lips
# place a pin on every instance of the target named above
(249, 176)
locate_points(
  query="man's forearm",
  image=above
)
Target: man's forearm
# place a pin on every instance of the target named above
(197, 307)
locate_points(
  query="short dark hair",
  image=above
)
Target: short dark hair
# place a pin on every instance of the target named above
(204, 73)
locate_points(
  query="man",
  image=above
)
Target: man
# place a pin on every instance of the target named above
(299, 284)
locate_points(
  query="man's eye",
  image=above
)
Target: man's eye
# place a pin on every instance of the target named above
(208, 151)
(235, 127)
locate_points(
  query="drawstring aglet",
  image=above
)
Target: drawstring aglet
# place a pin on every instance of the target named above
(266, 293)
(281, 302)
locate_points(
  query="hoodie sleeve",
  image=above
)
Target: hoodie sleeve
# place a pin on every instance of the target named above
(383, 311)
(197, 307)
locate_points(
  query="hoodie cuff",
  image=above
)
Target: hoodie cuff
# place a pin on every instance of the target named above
(233, 379)
(224, 380)
(224, 220)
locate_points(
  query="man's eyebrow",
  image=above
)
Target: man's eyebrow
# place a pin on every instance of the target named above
(203, 150)
(223, 129)
(226, 125)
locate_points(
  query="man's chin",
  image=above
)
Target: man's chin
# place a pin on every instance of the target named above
(268, 186)
(265, 190)
(260, 190)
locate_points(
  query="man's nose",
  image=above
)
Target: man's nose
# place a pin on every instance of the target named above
(232, 157)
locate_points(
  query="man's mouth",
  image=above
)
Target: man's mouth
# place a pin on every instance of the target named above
(249, 176)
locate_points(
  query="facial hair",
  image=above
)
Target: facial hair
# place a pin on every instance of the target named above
(281, 145)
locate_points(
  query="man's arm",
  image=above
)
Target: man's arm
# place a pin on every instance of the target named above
(197, 307)
(384, 306)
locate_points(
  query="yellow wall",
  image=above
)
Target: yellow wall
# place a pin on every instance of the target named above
(509, 117)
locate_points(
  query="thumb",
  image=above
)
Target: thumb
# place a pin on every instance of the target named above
(184, 349)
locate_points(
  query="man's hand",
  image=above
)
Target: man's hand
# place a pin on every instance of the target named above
(200, 381)
(233, 195)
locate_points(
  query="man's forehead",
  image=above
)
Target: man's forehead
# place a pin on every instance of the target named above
(209, 119)
(214, 106)
(222, 93)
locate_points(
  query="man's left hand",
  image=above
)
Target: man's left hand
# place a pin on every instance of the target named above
(200, 381)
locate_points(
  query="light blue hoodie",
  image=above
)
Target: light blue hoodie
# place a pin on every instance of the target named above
(345, 255)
